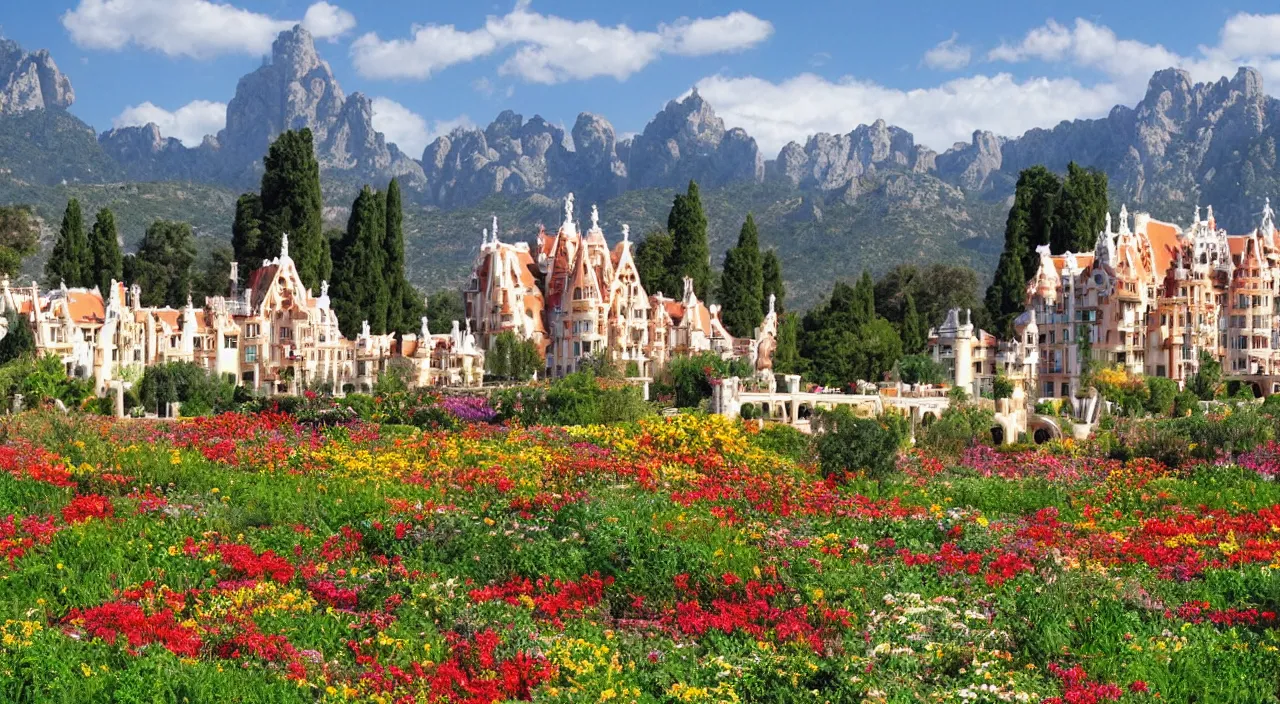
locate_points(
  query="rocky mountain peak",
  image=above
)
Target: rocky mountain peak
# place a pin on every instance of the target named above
(687, 140)
(836, 162)
(31, 80)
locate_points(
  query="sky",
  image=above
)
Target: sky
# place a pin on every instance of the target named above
(780, 70)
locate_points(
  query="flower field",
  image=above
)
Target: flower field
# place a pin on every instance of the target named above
(253, 558)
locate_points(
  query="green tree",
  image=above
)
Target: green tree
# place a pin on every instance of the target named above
(652, 257)
(877, 350)
(742, 285)
(771, 272)
(920, 369)
(246, 234)
(19, 238)
(18, 342)
(292, 202)
(937, 288)
(71, 261)
(512, 357)
(914, 331)
(786, 358)
(1081, 210)
(403, 304)
(690, 251)
(1205, 382)
(1161, 394)
(359, 290)
(162, 266)
(213, 274)
(864, 300)
(1029, 225)
(108, 262)
(444, 307)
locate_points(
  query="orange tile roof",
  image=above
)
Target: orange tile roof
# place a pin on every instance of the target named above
(1236, 243)
(1164, 246)
(85, 307)
(168, 316)
(260, 282)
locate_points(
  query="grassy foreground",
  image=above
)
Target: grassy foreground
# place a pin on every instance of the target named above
(250, 558)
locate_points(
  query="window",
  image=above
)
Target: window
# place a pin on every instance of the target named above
(230, 342)
(252, 330)
(1066, 389)
(286, 334)
(1160, 370)
(251, 354)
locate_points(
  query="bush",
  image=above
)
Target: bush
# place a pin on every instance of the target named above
(1001, 387)
(1185, 404)
(846, 443)
(1161, 394)
(961, 426)
(578, 399)
(920, 369)
(199, 392)
(688, 380)
(783, 440)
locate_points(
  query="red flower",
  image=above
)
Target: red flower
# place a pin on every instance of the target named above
(82, 508)
(1138, 686)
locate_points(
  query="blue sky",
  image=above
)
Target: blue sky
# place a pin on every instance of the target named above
(780, 70)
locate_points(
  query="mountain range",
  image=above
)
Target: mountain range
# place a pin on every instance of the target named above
(833, 205)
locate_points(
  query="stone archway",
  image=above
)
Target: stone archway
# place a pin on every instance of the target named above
(1044, 429)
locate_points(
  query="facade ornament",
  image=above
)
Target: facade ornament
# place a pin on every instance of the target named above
(595, 217)
(495, 229)
(284, 246)
(773, 301)
(426, 331)
(568, 208)
(1108, 222)
(626, 232)
(364, 328)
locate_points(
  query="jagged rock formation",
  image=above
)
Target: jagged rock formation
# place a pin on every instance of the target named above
(31, 81)
(687, 140)
(292, 90)
(1184, 143)
(838, 162)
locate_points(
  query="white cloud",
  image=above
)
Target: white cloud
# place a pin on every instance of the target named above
(551, 49)
(330, 21)
(775, 112)
(189, 123)
(732, 32)
(409, 130)
(948, 55)
(194, 28)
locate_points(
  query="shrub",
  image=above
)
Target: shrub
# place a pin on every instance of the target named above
(784, 440)
(920, 369)
(1185, 404)
(846, 443)
(960, 427)
(1161, 394)
(1001, 387)
(199, 392)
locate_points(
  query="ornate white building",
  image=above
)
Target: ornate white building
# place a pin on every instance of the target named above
(578, 298)
(274, 337)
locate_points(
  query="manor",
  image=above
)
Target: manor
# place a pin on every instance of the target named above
(1151, 297)
(576, 299)
(274, 336)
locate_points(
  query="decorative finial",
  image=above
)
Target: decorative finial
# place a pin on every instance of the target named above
(484, 237)
(568, 208)
(495, 229)
(1197, 220)
(773, 300)
(1108, 222)
(626, 232)
(595, 217)
(324, 289)
(1210, 218)
(284, 246)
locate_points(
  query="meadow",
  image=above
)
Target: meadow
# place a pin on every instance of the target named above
(260, 558)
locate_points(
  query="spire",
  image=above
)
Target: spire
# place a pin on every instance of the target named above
(1109, 222)
(1124, 219)
(626, 232)
(484, 238)
(1268, 218)
(495, 229)
(595, 217)
(1210, 217)
(284, 246)
(568, 208)
(1197, 219)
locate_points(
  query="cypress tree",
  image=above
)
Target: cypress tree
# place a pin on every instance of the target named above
(71, 260)
(690, 253)
(771, 271)
(246, 233)
(1029, 225)
(19, 341)
(292, 202)
(162, 266)
(915, 335)
(864, 300)
(404, 305)
(1081, 210)
(359, 290)
(1006, 296)
(742, 285)
(652, 258)
(108, 262)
